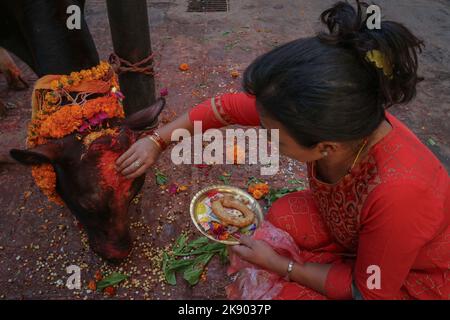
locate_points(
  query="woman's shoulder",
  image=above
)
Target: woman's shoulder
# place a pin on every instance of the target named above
(401, 157)
(407, 172)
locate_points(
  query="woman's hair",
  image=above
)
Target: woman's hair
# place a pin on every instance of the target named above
(325, 89)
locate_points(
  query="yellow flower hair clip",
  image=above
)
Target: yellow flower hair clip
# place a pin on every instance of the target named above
(380, 60)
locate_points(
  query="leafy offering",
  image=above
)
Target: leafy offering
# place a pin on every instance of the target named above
(191, 258)
(113, 279)
(161, 178)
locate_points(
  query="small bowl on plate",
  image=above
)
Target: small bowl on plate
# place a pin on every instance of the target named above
(210, 226)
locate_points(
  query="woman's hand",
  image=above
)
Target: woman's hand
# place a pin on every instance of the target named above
(138, 158)
(259, 253)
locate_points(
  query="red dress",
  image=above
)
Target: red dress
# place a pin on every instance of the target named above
(392, 212)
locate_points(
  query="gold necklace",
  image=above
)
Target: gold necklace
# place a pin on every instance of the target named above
(358, 154)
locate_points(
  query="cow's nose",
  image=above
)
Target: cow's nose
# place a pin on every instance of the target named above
(113, 253)
(112, 250)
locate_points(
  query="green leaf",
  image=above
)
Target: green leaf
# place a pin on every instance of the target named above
(193, 273)
(112, 279)
(195, 255)
(431, 142)
(171, 266)
(275, 194)
(223, 255)
(161, 179)
(169, 274)
(209, 248)
(180, 244)
(254, 180)
(196, 243)
(225, 178)
(296, 181)
(180, 264)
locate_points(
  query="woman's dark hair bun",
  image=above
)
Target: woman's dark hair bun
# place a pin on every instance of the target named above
(347, 28)
(331, 87)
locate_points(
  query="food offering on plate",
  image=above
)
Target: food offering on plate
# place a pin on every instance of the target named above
(223, 213)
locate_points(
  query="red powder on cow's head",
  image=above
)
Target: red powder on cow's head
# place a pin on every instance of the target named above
(109, 175)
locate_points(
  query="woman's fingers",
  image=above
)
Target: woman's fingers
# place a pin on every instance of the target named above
(134, 165)
(246, 240)
(125, 156)
(138, 172)
(139, 157)
(128, 163)
(243, 251)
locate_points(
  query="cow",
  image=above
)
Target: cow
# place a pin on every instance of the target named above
(86, 179)
(88, 183)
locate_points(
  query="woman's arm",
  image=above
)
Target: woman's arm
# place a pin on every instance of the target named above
(217, 112)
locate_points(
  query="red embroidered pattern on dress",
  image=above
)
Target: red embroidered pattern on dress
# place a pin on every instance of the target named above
(340, 204)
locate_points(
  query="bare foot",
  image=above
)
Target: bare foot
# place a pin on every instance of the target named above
(11, 71)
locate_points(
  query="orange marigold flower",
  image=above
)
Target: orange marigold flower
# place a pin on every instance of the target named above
(45, 178)
(64, 80)
(92, 285)
(183, 67)
(257, 194)
(258, 190)
(234, 73)
(98, 275)
(54, 85)
(110, 291)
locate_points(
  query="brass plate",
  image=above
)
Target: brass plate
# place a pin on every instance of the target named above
(224, 189)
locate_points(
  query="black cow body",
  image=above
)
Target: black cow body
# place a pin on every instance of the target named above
(36, 32)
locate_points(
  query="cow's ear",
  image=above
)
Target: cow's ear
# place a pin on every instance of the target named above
(45, 153)
(146, 118)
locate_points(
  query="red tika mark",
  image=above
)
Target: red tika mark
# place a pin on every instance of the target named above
(109, 175)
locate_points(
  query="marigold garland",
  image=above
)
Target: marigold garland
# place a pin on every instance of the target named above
(45, 178)
(91, 137)
(53, 120)
(75, 78)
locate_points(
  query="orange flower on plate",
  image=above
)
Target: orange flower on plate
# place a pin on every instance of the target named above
(183, 67)
(258, 190)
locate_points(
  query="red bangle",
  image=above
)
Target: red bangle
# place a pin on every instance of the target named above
(155, 135)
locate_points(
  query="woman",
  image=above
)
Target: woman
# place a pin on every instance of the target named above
(378, 203)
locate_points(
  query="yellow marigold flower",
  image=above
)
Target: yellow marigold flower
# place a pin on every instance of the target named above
(257, 194)
(54, 84)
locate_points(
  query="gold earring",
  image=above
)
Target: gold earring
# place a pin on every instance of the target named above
(325, 153)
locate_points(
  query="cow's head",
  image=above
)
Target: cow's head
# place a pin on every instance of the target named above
(87, 181)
